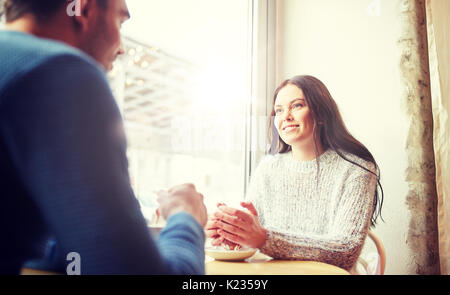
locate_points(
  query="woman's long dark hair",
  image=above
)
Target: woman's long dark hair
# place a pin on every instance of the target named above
(330, 128)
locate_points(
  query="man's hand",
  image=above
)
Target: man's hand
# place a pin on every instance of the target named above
(182, 198)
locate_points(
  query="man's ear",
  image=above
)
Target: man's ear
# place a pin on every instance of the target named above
(82, 12)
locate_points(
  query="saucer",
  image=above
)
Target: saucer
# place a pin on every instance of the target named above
(230, 255)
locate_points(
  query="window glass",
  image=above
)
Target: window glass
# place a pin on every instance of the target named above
(182, 87)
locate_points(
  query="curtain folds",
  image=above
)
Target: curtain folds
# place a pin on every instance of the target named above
(438, 28)
(421, 199)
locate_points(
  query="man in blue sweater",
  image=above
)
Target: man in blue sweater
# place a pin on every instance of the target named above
(63, 166)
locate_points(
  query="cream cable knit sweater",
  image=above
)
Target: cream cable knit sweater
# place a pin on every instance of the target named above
(320, 215)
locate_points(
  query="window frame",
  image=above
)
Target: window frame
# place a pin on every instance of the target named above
(262, 79)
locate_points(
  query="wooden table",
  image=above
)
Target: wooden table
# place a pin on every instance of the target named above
(35, 272)
(260, 264)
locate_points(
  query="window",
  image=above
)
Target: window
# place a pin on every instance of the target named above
(186, 90)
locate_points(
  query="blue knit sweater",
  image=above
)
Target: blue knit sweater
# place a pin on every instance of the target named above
(64, 172)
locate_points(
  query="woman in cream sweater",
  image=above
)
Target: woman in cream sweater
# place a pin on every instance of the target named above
(315, 196)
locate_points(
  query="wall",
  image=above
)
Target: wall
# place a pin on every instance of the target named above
(353, 47)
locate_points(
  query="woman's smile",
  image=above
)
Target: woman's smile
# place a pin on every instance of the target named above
(290, 127)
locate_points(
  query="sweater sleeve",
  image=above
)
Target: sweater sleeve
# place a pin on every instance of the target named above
(66, 138)
(342, 244)
(181, 243)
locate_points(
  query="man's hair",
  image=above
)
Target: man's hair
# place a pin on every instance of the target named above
(42, 9)
(2, 10)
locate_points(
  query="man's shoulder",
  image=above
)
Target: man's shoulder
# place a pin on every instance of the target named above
(21, 53)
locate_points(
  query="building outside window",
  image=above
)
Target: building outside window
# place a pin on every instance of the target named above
(184, 88)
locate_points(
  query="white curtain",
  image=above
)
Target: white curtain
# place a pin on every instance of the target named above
(421, 200)
(438, 26)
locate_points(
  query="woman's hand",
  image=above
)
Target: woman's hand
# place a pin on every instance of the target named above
(210, 227)
(211, 232)
(238, 226)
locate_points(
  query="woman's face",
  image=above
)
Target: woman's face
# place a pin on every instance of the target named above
(293, 118)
